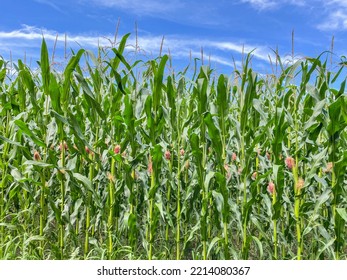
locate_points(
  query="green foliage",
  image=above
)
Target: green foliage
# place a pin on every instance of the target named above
(119, 160)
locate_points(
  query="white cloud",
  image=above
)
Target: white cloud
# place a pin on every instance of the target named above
(28, 40)
(336, 21)
(259, 52)
(270, 4)
(335, 16)
(332, 13)
(142, 7)
(341, 3)
(261, 4)
(191, 13)
(31, 33)
(51, 4)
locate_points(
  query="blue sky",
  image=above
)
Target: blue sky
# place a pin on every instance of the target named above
(223, 29)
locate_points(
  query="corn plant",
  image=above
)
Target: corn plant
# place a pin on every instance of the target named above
(116, 158)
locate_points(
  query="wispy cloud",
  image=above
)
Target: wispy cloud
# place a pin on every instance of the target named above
(336, 20)
(332, 13)
(51, 4)
(341, 3)
(32, 33)
(142, 7)
(261, 4)
(260, 52)
(270, 4)
(335, 16)
(206, 13)
(219, 52)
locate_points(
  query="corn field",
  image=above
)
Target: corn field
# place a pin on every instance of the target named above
(112, 159)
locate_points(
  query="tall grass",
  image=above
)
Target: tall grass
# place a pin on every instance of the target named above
(97, 163)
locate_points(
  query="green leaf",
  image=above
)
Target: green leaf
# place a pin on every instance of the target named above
(17, 175)
(2, 75)
(317, 111)
(89, 95)
(212, 243)
(219, 201)
(157, 157)
(342, 212)
(258, 106)
(11, 142)
(201, 91)
(279, 183)
(208, 179)
(86, 182)
(56, 211)
(45, 69)
(132, 221)
(71, 66)
(55, 94)
(24, 128)
(214, 134)
(280, 125)
(197, 155)
(326, 246)
(28, 83)
(78, 131)
(221, 180)
(148, 111)
(324, 197)
(222, 97)
(38, 163)
(158, 82)
(159, 205)
(260, 246)
(120, 51)
(59, 117)
(33, 238)
(248, 99)
(337, 122)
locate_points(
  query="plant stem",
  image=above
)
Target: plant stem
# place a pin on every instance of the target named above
(89, 200)
(151, 221)
(110, 213)
(168, 195)
(62, 203)
(42, 210)
(274, 199)
(297, 203)
(4, 167)
(178, 213)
